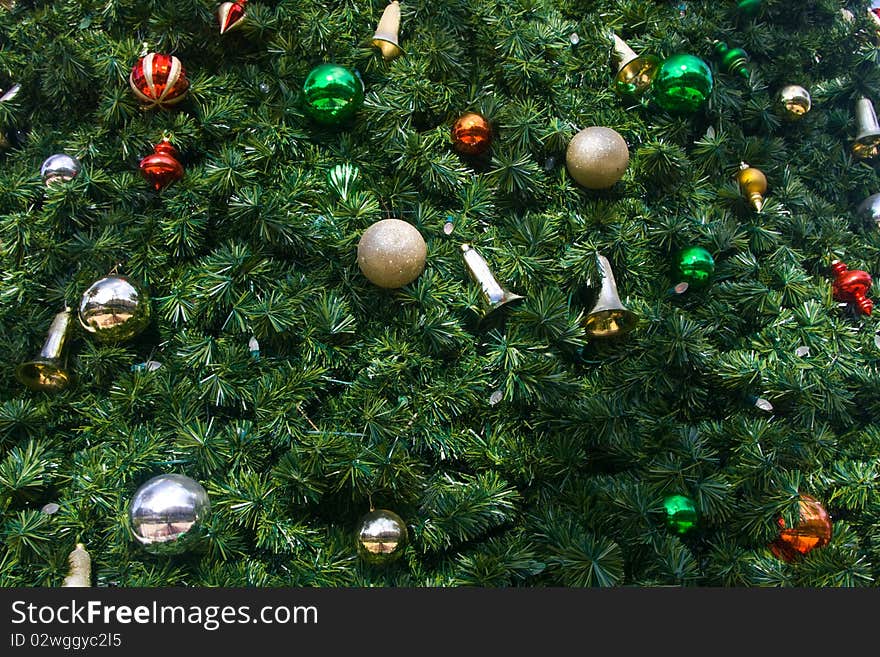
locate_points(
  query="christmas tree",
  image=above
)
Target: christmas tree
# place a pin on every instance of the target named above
(527, 451)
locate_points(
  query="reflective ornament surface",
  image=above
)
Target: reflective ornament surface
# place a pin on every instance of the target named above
(114, 310)
(634, 73)
(733, 60)
(386, 38)
(47, 371)
(681, 514)
(59, 168)
(812, 531)
(597, 157)
(161, 167)
(852, 286)
(158, 80)
(230, 15)
(391, 253)
(753, 185)
(332, 94)
(495, 296)
(609, 318)
(869, 210)
(694, 266)
(683, 84)
(167, 514)
(794, 102)
(381, 536)
(471, 134)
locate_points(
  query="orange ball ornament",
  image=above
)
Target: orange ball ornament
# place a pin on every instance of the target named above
(812, 531)
(158, 80)
(471, 134)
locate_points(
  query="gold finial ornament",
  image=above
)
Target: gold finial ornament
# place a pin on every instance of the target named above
(609, 318)
(794, 101)
(495, 296)
(867, 143)
(47, 370)
(752, 184)
(386, 38)
(634, 73)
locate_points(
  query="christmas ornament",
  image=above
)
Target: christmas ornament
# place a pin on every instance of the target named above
(391, 253)
(167, 514)
(114, 310)
(794, 102)
(812, 531)
(874, 12)
(681, 514)
(852, 286)
(158, 80)
(749, 7)
(733, 60)
(609, 318)
(386, 35)
(634, 73)
(869, 211)
(597, 157)
(683, 84)
(9, 136)
(867, 142)
(332, 94)
(343, 179)
(230, 15)
(161, 168)
(752, 184)
(695, 266)
(47, 370)
(80, 571)
(59, 168)
(471, 134)
(495, 296)
(381, 537)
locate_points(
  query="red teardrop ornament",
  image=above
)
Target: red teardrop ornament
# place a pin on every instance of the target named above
(230, 15)
(852, 286)
(161, 168)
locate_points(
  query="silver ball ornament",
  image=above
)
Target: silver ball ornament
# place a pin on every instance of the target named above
(391, 253)
(381, 536)
(59, 168)
(167, 514)
(114, 310)
(794, 102)
(869, 211)
(597, 157)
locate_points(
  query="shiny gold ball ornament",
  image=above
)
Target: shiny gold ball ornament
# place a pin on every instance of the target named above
(114, 309)
(381, 537)
(597, 157)
(391, 253)
(794, 102)
(752, 184)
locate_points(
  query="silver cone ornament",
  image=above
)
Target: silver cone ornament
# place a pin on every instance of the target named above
(495, 296)
(867, 140)
(608, 318)
(47, 371)
(386, 37)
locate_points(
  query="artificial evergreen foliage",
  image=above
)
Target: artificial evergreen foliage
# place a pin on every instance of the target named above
(522, 454)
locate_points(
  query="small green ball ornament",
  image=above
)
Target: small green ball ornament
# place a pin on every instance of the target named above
(695, 266)
(332, 94)
(749, 7)
(683, 84)
(681, 514)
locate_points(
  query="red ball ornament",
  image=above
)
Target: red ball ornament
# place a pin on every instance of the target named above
(852, 286)
(159, 80)
(161, 168)
(230, 15)
(812, 531)
(471, 134)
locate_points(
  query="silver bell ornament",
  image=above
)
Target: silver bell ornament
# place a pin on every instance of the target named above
(59, 168)
(381, 536)
(114, 309)
(869, 211)
(167, 514)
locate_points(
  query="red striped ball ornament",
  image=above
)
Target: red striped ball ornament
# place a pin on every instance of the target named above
(158, 80)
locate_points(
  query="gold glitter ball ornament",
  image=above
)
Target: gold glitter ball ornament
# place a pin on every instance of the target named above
(391, 253)
(597, 157)
(381, 536)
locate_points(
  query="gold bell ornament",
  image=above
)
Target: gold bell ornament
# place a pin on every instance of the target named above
(495, 295)
(867, 143)
(752, 184)
(80, 572)
(634, 72)
(609, 318)
(47, 370)
(386, 38)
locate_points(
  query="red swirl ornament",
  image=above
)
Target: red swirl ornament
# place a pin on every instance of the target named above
(161, 168)
(852, 286)
(230, 15)
(158, 80)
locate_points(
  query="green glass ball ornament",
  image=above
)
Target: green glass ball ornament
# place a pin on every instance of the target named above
(681, 514)
(694, 266)
(748, 7)
(683, 84)
(332, 94)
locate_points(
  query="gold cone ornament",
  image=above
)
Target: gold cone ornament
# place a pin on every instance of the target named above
(386, 38)
(80, 573)
(495, 296)
(752, 184)
(231, 15)
(867, 143)
(47, 370)
(609, 318)
(634, 73)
